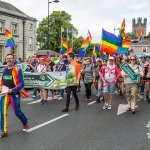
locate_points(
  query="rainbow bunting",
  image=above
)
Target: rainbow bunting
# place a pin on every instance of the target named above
(125, 47)
(10, 41)
(85, 45)
(110, 42)
(64, 47)
(122, 34)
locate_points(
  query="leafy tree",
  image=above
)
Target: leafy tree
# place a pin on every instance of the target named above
(58, 19)
(77, 44)
(131, 35)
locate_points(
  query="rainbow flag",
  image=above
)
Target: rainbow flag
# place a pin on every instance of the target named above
(94, 56)
(64, 46)
(110, 42)
(140, 32)
(85, 45)
(68, 51)
(122, 34)
(10, 40)
(125, 47)
(57, 62)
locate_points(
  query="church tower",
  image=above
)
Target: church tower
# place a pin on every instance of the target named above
(138, 24)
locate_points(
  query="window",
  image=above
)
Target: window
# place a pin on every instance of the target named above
(14, 50)
(14, 29)
(1, 52)
(1, 27)
(30, 43)
(144, 49)
(30, 26)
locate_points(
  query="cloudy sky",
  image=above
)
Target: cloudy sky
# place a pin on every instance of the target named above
(92, 15)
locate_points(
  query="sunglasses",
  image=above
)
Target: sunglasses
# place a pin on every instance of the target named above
(132, 59)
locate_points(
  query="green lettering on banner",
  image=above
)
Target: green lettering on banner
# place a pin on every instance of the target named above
(128, 70)
(50, 80)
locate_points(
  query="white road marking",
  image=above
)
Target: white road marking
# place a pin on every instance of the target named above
(37, 101)
(30, 92)
(91, 103)
(48, 122)
(122, 108)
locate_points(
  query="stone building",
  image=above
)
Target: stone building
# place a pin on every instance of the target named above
(138, 24)
(23, 29)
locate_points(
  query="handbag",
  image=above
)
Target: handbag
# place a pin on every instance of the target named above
(141, 82)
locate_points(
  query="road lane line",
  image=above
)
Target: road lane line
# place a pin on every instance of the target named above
(48, 122)
(37, 101)
(91, 103)
(30, 92)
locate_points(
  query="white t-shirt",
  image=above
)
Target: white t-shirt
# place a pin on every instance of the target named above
(110, 75)
(41, 68)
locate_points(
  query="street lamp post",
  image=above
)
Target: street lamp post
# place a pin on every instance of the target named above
(116, 29)
(55, 1)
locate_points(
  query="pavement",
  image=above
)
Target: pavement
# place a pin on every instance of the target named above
(89, 128)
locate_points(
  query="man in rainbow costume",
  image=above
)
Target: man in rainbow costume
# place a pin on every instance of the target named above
(12, 78)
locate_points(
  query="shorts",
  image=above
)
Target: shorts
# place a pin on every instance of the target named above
(110, 89)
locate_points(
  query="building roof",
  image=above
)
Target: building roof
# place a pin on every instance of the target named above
(46, 53)
(9, 7)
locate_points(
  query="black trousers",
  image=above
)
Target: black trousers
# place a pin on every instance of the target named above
(88, 88)
(74, 91)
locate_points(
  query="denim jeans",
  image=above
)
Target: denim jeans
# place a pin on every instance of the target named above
(62, 93)
(99, 88)
(35, 91)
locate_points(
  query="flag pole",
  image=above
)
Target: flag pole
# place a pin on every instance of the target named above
(61, 39)
(72, 41)
(67, 35)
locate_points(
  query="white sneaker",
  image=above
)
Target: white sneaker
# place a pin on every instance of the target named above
(70, 95)
(109, 107)
(60, 98)
(34, 96)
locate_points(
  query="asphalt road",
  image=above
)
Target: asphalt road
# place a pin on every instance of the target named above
(89, 128)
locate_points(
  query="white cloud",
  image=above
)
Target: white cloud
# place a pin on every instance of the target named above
(92, 15)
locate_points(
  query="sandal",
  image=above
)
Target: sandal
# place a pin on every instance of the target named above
(133, 111)
(128, 109)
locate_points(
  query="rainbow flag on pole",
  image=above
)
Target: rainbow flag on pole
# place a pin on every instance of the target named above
(64, 46)
(122, 34)
(10, 40)
(110, 42)
(94, 56)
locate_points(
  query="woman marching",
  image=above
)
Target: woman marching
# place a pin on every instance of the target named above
(131, 87)
(42, 67)
(89, 76)
(109, 75)
(98, 69)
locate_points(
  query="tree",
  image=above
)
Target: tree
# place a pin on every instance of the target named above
(58, 19)
(131, 35)
(148, 33)
(77, 44)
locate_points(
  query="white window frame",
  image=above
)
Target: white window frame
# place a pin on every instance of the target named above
(14, 50)
(31, 43)
(2, 53)
(1, 26)
(30, 26)
(14, 31)
(144, 49)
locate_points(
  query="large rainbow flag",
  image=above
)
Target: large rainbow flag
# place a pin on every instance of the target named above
(64, 46)
(125, 47)
(110, 42)
(10, 40)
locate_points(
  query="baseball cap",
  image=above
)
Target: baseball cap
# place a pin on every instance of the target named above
(111, 57)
